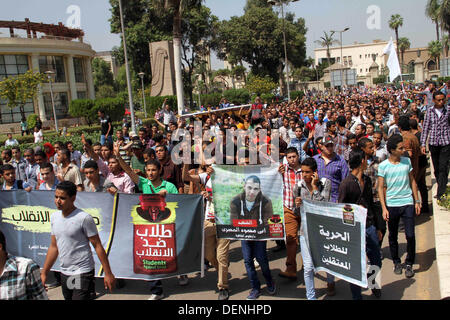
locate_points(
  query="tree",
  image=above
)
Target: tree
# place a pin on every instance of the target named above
(395, 23)
(257, 39)
(102, 73)
(445, 44)
(21, 89)
(403, 45)
(223, 75)
(326, 42)
(239, 72)
(444, 15)
(432, 11)
(435, 49)
(258, 85)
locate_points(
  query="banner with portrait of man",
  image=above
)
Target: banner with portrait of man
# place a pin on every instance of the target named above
(248, 202)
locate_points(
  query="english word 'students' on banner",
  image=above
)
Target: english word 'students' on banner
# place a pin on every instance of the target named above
(336, 239)
(248, 202)
(145, 236)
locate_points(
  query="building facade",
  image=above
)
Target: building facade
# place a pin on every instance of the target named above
(46, 48)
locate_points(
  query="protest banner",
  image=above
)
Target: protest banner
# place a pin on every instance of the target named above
(145, 236)
(336, 238)
(248, 202)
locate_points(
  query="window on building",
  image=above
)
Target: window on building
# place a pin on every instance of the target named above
(81, 95)
(61, 105)
(8, 115)
(79, 71)
(350, 62)
(55, 64)
(13, 65)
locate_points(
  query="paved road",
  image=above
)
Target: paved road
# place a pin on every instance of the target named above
(424, 285)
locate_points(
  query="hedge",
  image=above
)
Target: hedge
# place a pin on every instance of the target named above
(114, 107)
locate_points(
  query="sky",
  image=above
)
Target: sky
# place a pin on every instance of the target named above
(320, 16)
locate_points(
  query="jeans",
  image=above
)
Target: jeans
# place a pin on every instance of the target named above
(103, 139)
(256, 249)
(78, 287)
(308, 270)
(440, 155)
(407, 214)
(156, 287)
(373, 253)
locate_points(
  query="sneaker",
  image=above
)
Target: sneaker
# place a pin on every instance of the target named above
(331, 291)
(156, 296)
(398, 268)
(224, 294)
(290, 276)
(409, 272)
(272, 289)
(376, 293)
(254, 294)
(183, 280)
(256, 263)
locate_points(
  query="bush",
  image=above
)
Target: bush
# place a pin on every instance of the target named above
(380, 80)
(83, 108)
(443, 79)
(154, 103)
(31, 121)
(114, 107)
(212, 99)
(237, 96)
(297, 94)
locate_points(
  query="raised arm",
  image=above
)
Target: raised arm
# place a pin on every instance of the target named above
(130, 172)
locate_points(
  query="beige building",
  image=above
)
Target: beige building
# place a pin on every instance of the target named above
(44, 47)
(356, 56)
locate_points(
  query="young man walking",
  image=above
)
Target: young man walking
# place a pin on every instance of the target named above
(400, 201)
(72, 232)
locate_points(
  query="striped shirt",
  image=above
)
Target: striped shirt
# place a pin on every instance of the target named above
(436, 127)
(21, 280)
(340, 142)
(336, 171)
(290, 178)
(396, 177)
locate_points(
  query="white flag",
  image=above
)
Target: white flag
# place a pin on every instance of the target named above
(392, 63)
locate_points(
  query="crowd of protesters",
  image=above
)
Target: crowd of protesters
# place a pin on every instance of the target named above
(366, 146)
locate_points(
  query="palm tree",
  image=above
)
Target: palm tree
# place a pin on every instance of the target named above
(176, 7)
(445, 44)
(403, 45)
(432, 11)
(395, 23)
(435, 49)
(444, 15)
(327, 41)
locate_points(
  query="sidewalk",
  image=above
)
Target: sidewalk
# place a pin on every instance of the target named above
(442, 240)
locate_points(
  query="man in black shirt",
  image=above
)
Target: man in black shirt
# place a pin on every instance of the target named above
(357, 189)
(106, 130)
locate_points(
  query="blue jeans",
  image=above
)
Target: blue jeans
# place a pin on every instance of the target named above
(256, 249)
(373, 253)
(408, 216)
(308, 270)
(156, 287)
(103, 139)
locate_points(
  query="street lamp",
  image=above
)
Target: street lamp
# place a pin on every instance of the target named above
(141, 75)
(127, 68)
(342, 62)
(50, 75)
(281, 4)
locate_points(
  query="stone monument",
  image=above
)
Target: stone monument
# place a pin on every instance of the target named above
(163, 70)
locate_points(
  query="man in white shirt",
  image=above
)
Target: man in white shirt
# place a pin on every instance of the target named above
(10, 141)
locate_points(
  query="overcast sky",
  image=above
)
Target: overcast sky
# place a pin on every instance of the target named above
(324, 15)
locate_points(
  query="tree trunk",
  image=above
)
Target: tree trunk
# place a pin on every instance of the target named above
(437, 30)
(396, 39)
(177, 59)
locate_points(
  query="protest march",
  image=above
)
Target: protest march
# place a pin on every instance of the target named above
(330, 174)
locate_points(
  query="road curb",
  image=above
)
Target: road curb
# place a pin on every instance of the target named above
(441, 218)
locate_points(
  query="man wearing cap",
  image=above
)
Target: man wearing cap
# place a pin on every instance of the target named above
(137, 160)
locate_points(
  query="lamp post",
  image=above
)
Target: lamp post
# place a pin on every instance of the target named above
(127, 68)
(281, 4)
(342, 62)
(141, 75)
(50, 75)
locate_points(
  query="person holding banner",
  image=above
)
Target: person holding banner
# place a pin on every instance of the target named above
(310, 187)
(401, 200)
(153, 184)
(357, 189)
(72, 232)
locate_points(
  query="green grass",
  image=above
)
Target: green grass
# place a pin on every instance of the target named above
(445, 201)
